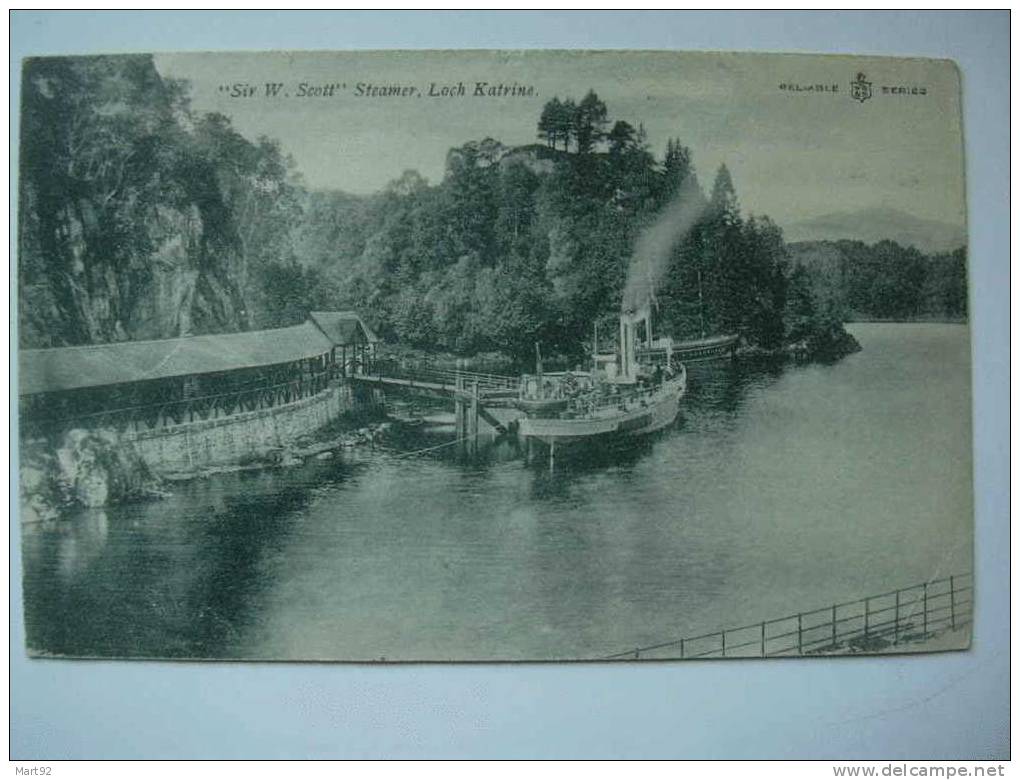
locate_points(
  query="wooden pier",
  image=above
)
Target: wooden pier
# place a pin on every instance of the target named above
(473, 394)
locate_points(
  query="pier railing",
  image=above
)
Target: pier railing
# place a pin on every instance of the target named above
(427, 373)
(877, 622)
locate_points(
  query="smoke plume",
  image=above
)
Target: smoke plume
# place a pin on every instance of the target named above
(650, 259)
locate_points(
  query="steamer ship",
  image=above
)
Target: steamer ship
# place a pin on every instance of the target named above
(623, 395)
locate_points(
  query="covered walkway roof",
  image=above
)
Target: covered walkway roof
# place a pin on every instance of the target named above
(344, 327)
(97, 365)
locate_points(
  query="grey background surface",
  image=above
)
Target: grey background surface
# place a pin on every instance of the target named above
(935, 706)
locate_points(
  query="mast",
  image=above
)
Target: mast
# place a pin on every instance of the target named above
(701, 305)
(648, 321)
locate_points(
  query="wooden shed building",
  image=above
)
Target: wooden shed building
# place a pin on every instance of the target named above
(354, 342)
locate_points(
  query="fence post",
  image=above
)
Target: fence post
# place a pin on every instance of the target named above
(952, 602)
(800, 635)
(681, 649)
(896, 621)
(867, 617)
(833, 626)
(763, 639)
(723, 643)
(925, 599)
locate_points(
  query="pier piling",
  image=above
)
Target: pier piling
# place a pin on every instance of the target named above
(458, 403)
(473, 418)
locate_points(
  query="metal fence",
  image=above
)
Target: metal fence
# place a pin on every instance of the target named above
(877, 622)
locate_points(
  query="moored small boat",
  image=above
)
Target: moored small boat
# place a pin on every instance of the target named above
(695, 349)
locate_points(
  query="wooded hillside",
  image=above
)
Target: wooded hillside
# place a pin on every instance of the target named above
(141, 219)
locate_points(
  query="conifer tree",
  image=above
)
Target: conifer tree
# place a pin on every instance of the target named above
(724, 202)
(549, 122)
(590, 120)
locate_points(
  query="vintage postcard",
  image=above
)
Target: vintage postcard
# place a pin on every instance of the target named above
(493, 355)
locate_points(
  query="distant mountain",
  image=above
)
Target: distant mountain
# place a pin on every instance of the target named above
(877, 224)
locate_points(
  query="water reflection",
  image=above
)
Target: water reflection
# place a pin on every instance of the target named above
(576, 463)
(168, 578)
(77, 544)
(722, 385)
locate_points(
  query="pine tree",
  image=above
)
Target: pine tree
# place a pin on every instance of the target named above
(725, 262)
(564, 122)
(724, 202)
(549, 122)
(621, 138)
(677, 165)
(590, 120)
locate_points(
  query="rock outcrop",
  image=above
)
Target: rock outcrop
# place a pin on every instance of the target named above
(126, 229)
(83, 469)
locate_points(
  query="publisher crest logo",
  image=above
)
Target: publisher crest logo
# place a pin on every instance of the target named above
(860, 88)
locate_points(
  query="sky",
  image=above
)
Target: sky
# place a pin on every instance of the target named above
(794, 154)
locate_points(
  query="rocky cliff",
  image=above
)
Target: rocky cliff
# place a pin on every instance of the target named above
(125, 231)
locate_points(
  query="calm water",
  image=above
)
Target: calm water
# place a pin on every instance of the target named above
(779, 489)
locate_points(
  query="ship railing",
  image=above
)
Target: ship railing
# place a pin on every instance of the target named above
(625, 400)
(885, 620)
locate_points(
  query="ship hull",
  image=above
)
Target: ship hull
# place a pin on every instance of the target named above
(660, 412)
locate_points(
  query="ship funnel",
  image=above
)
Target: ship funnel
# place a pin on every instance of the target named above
(629, 323)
